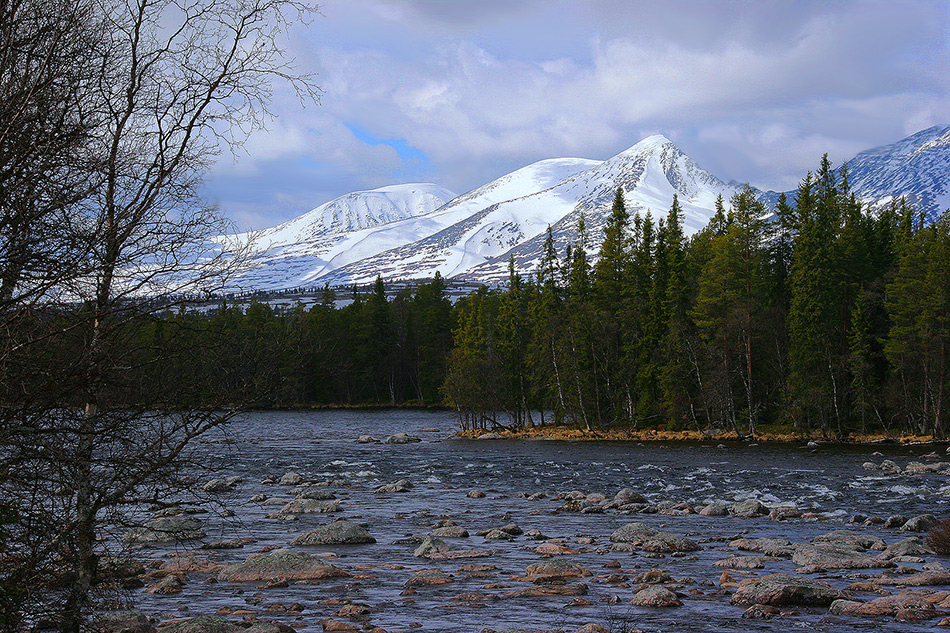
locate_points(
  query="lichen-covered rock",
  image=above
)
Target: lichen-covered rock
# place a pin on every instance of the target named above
(851, 539)
(836, 556)
(431, 545)
(402, 485)
(910, 546)
(429, 578)
(628, 495)
(202, 624)
(767, 546)
(401, 438)
(781, 589)
(748, 509)
(291, 479)
(909, 599)
(280, 565)
(166, 530)
(556, 567)
(341, 532)
(313, 492)
(656, 596)
(632, 533)
(449, 531)
(744, 562)
(301, 505)
(921, 523)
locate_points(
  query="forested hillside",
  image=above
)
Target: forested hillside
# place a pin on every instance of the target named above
(819, 318)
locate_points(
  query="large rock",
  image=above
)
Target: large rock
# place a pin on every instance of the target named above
(431, 545)
(633, 533)
(202, 624)
(910, 546)
(909, 599)
(656, 596)
(166, 530)
(767, 546)
(429, 578)
(849, 538)
(449, 531)
(748, 509)
(781, 589)
(922, 523)
(401, 438)
(402, 485)
(309, 506)
(280, 565)
(337, 533)
(836, 556)
(556, 568)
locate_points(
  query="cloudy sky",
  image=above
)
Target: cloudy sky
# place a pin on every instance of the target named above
(458, 92)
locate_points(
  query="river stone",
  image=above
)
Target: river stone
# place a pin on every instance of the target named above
(656, 596)
(221, 485)
(337, 533)
(836, 556)
(628, 495)
(291, 479)
(169, 585)
(431, 545)
(716, 509)
(748, 509)
(166, 530)
(895, 521)
(310, 506)
(890, 467)
(401, 438)
(921, 523)
(887, 605)
(632, 533)
(543, 591)
(849, 538)
(366, 439)
(920, 579)
(402, 485)
(313, 492)
(429, 578)
(744, 562)
(665, 543)
(767, 546)
(556, 567)
(910, 546)
(123, 622)
(280, 565)
(781, 589)
(449, 531)
(202, 624)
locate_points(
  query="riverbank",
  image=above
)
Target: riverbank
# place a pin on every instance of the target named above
(654, 435)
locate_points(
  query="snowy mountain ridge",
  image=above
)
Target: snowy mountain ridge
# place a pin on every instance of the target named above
(413, 231)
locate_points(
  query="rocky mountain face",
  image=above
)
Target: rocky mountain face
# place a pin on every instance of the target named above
(413, 231)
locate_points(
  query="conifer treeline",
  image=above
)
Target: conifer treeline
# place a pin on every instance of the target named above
(821, 318)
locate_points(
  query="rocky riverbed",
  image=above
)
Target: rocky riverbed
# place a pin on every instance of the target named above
(382, 521)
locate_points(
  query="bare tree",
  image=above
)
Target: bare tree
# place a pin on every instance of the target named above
(175, 82)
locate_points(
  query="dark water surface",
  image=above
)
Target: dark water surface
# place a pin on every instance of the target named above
(321, 446)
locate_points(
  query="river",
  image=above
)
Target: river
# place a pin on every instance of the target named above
(826, 480)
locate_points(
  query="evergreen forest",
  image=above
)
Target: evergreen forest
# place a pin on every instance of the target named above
(819, 318)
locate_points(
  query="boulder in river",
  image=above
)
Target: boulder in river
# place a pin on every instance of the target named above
(202, 624)
(167, 529)
(851, 539)
(836, 556)
(767, 546)
(402, 485)
(781, 589)
(402, 438)
(291, 479)
(280, 565)
(556, 568)
(920, 523)
(917, 600)
(340, 532)
(429, 578)
(748, 509)
(431, 545)
(309, 506)
(656, 596)
(632, 533)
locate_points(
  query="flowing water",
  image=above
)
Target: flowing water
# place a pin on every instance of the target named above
(828, 481)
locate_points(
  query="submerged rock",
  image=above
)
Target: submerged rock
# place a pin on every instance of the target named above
(402, 485)
(340, 532)
(401, 438)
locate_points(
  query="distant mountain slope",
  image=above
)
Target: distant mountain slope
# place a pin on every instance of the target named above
(917, 167)
(300, 250)
(414, 231)
(478, 246)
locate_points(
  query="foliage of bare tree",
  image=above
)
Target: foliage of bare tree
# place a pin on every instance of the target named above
(174, 81)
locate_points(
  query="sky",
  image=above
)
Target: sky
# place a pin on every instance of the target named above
(459, 92)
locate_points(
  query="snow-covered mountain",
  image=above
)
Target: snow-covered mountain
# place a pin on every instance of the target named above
(414, 231)
(299, 251)
(917, 167)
